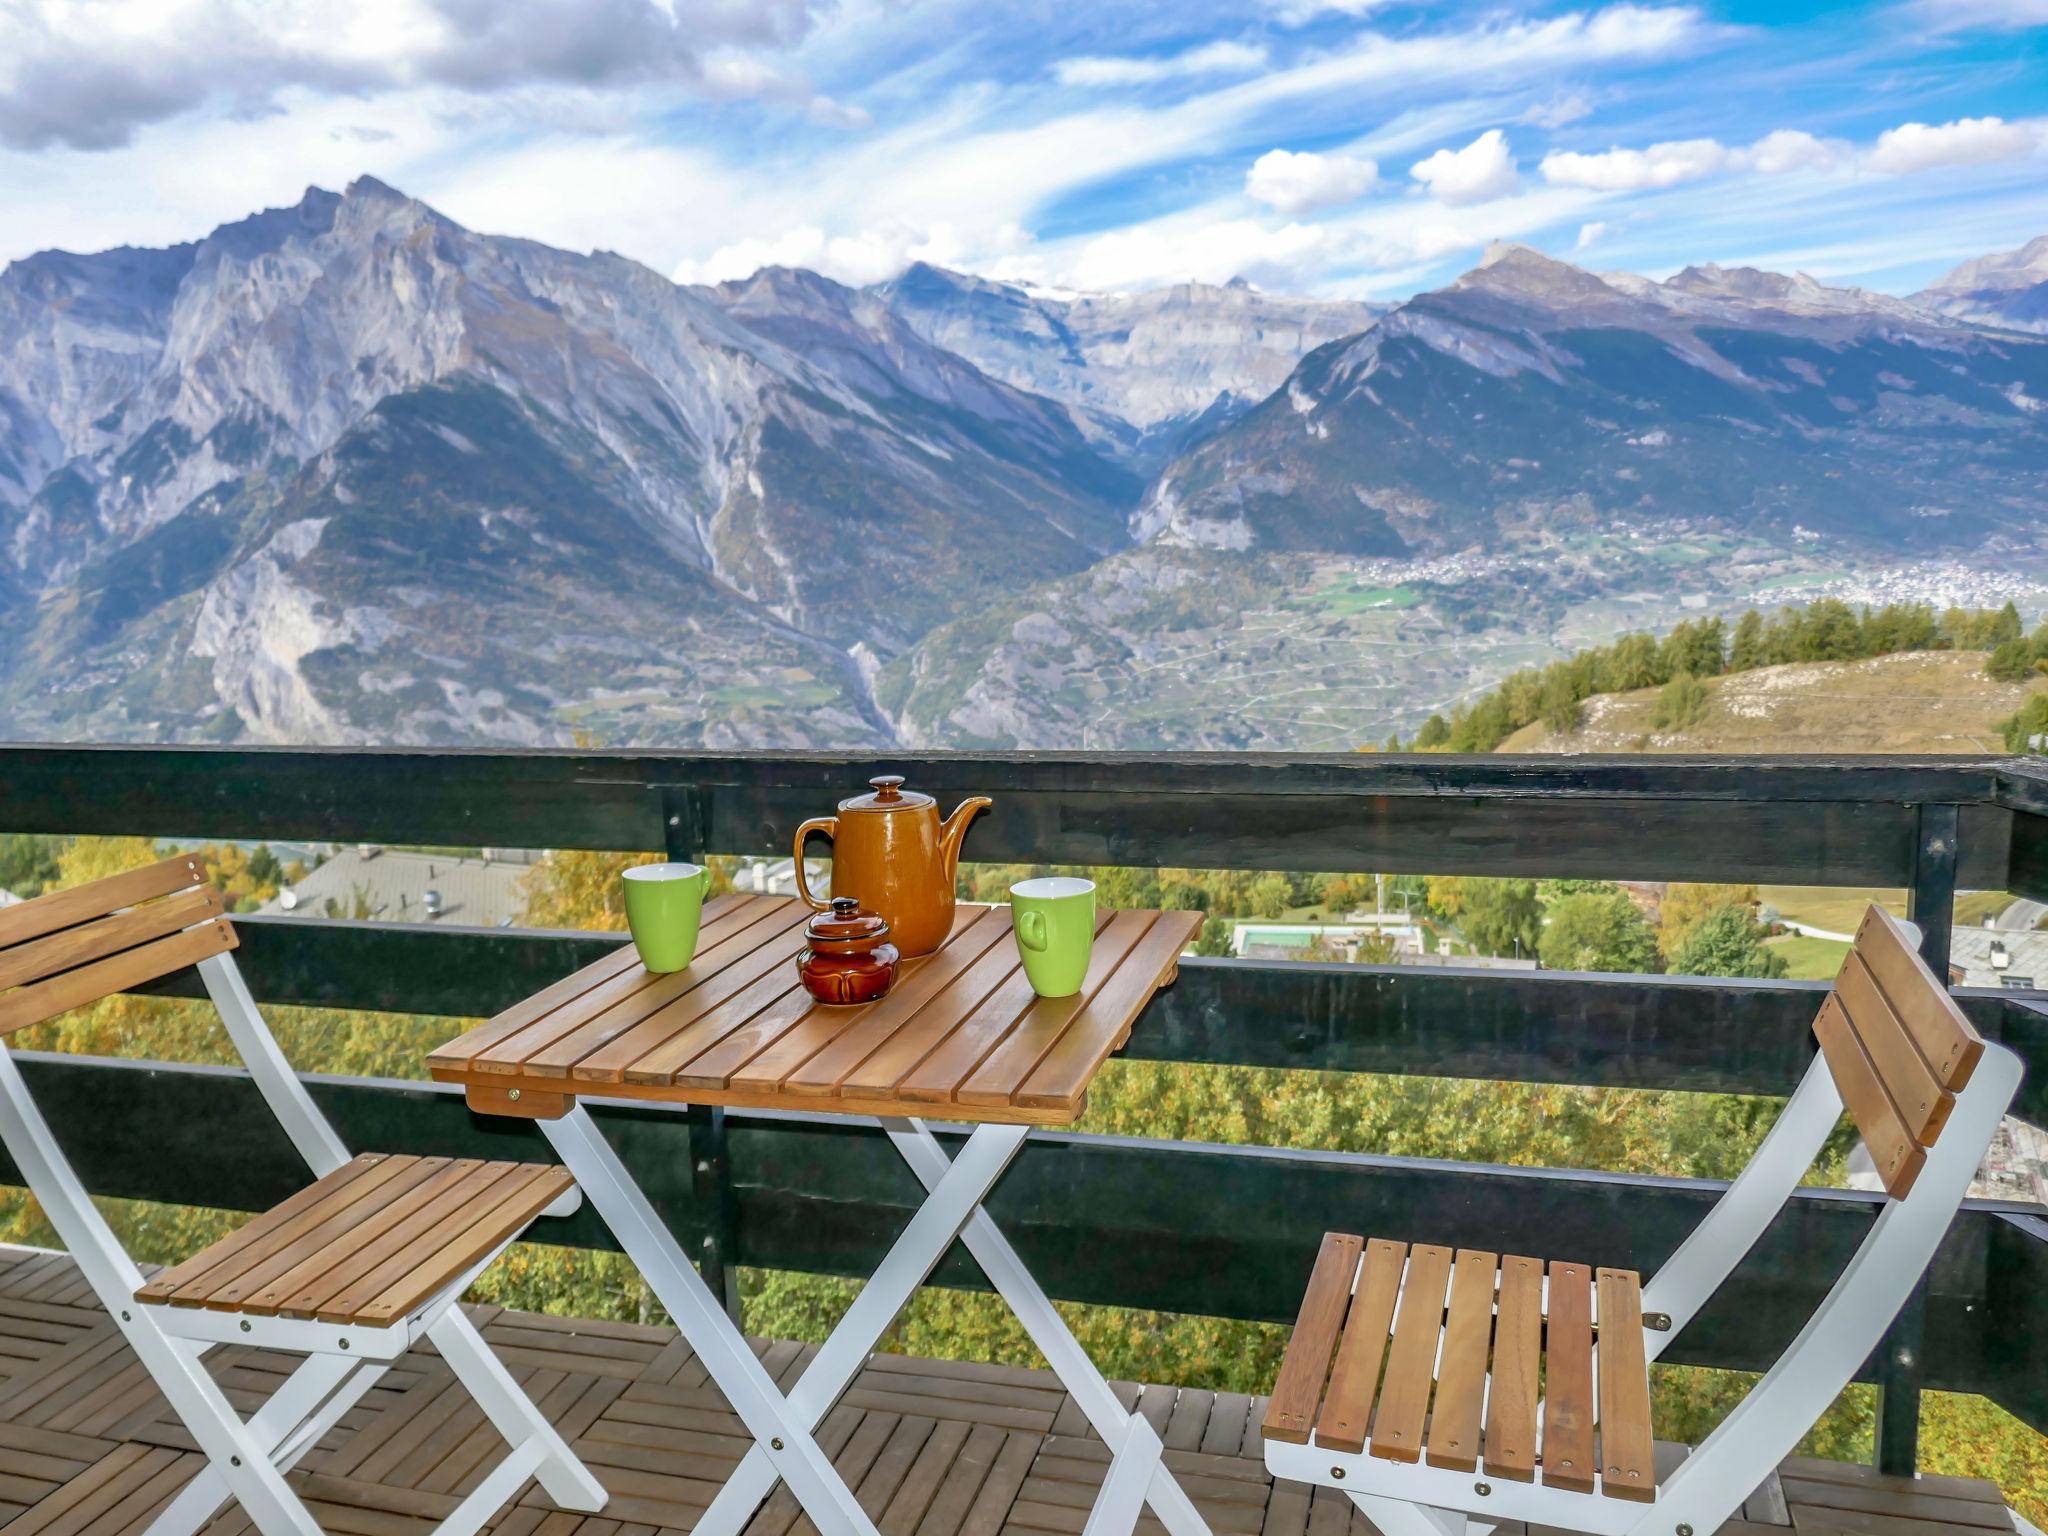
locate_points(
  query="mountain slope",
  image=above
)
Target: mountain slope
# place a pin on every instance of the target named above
(2009, 289)
(1531, 398)
(738, 466)
(1146, 372)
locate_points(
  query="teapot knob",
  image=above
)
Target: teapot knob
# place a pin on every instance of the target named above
(845, 908)
(886, 785)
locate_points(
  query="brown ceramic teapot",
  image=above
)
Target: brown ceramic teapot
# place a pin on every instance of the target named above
(892, 850)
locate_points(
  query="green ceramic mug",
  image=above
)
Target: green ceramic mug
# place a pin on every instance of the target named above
(663, 905)
(1055, 922)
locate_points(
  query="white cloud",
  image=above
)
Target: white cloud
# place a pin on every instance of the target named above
(1480, 172)
(1299, 13)
(1681, 160)
(1914, 147)
(872, 256)
(1220, 58)
(1629, 170)
(1991, 15)
(1560, 110)
(1293, 183)
(1790, 149)
(1589, 235)
(88, 74)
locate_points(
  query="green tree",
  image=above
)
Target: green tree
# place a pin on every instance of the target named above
(1559, 702)
(1746, 648)
(1435, 732)
(2027, 726)
(1685, 905)
(1271, 896)
(1726, 942)
(1598, 931)
(1215, 936)
(1501, 917)
(2013, 661)
(28, 862)
(1681, 705)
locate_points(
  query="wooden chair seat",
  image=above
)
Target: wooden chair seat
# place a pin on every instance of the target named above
(1399, 1351)
(368, 1243)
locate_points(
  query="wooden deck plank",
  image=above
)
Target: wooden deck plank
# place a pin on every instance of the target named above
(921, 1457)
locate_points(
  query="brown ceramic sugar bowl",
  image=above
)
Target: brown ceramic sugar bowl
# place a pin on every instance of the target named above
(850, 958)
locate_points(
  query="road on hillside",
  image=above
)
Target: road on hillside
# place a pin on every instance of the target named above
(2021, 916)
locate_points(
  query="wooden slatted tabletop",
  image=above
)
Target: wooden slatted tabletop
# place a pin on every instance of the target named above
(960, 1036)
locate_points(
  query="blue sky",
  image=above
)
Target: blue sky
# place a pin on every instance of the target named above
(1328, 146)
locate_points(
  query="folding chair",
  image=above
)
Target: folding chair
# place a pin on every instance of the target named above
(351, 1272)
(1454, 1439)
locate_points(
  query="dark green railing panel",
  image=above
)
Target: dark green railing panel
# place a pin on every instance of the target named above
(2016, 1281)
(1699, 1034)
(2029, 856)
(1810, 821)
(1099, 1219)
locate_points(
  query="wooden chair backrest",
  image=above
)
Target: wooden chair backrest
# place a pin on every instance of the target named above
(69, 948)
(1899, 1048)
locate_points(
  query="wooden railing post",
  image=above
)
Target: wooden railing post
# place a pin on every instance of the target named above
(1931, 903)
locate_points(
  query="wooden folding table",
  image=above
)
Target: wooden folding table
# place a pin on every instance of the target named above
(960, 1036)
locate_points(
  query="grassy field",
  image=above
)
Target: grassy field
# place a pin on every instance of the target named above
(1809, 959)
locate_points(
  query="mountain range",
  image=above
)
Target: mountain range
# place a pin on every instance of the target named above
(348, 471)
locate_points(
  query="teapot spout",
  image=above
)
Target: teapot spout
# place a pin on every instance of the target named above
(955, 828)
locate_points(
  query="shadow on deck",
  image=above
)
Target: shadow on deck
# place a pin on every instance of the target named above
(932, 1447)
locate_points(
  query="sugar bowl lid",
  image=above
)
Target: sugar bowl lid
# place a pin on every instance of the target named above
(846, 927)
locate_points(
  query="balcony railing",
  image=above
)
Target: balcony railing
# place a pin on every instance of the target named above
(1108, 1219)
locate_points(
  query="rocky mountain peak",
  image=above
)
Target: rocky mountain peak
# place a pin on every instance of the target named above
(1525, 272)
(2022, 268)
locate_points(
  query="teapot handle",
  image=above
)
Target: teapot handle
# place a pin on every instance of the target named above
(829, 825)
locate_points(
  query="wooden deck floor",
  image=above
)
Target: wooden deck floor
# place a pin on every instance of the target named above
(933, 1448)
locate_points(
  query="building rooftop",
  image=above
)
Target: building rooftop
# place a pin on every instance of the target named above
(1987, 957)
(387, 885)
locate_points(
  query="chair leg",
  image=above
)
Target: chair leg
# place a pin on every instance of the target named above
(292, 1422)
(518, 1418)
(236, 1453)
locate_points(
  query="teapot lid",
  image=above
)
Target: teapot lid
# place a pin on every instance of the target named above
(888, 795)
(847, 923)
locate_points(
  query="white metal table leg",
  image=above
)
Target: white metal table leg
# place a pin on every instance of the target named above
(741, 1377)
(1049, 1331)
(910, 1261)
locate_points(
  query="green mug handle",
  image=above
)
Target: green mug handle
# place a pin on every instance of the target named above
(1031, 930)
(704, 884)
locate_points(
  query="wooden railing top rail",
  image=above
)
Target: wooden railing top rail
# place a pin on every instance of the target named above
(1795, 820)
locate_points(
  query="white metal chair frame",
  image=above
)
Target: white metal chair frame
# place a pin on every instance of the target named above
(1406, 1499)
(248, 1459)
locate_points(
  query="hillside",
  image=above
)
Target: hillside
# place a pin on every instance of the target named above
(1926, 701)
